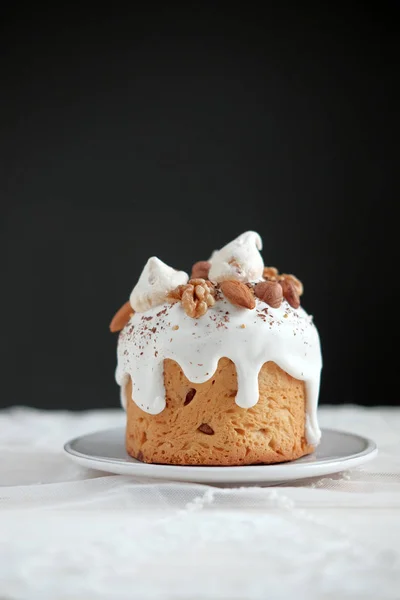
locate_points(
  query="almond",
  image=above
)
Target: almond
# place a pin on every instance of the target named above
(238, 293)
(269, 292)
(201, 269)
(290, 293)
(121, 317)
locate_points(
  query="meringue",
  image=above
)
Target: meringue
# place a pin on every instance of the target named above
(156, 280)
(240, 260)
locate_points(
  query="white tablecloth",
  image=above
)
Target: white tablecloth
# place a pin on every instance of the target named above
(67, 532)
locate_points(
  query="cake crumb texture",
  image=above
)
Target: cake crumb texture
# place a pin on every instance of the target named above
(202, 424)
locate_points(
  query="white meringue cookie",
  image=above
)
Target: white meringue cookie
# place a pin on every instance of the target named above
(240, 259)
(156, 280)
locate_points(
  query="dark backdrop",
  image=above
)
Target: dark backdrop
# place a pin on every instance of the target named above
(170, 131)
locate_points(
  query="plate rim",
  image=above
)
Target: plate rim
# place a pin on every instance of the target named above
(369, 452)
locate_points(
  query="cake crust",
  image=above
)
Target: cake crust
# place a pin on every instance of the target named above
(202, 424)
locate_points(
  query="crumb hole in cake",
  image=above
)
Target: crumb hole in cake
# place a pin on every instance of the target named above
(230, 411)
(205, 428)
(140, 456)
(239, 431)
(189, 396)
(143, 438)
(213, 381)
(247, 451)
(232, 394)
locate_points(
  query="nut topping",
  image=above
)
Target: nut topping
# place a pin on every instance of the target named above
(269, 292)
(290, 293)
(196, 297)
(296, 282)
(270, 273)
(238, 293)
(201, 269)
(199, 293)
(121, 317)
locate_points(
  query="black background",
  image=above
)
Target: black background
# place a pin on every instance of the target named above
(168, 131)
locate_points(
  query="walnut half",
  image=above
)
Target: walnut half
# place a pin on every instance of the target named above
(196, 296)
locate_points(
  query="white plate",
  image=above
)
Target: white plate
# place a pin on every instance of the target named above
(105, 450)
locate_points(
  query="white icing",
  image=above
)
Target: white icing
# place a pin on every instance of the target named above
(283, 335)
(240, 259)
(156, 280)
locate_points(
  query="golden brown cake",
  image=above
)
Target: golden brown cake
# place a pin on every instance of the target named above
(210, 429)
(221, 369)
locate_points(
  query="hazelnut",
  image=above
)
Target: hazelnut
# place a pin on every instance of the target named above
(200, 269)
(270, 273)
(269, 292)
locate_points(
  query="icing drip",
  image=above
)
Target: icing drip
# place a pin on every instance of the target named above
(248, 337)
